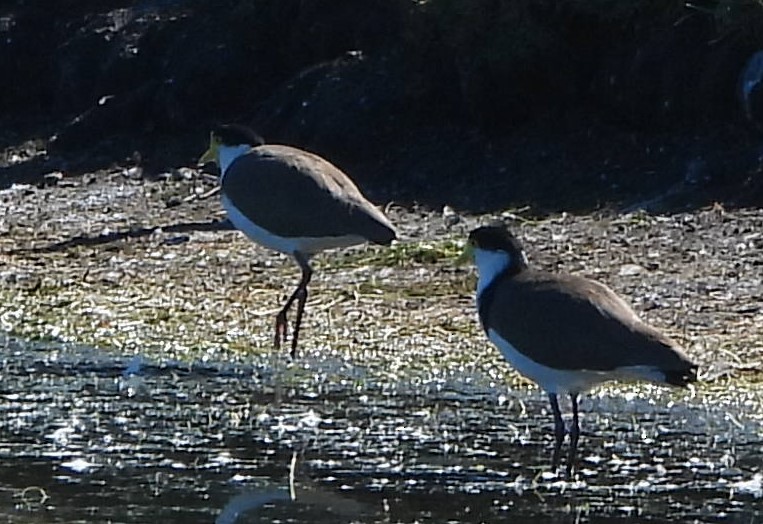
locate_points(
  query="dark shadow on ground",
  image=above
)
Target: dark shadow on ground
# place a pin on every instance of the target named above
(573, 164)
(106, 238)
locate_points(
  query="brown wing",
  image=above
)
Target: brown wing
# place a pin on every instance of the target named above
(291, 192)
(568, 322)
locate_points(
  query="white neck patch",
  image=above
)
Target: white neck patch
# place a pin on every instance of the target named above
(490, 264)
(227, 154)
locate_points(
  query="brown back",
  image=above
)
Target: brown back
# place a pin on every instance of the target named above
(293, 193)
(568, 322)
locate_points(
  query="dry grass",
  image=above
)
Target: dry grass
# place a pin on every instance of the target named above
(405, 309)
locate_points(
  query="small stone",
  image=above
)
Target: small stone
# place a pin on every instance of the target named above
(630, 270)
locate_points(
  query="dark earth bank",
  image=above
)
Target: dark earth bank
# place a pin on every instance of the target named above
(563, 105)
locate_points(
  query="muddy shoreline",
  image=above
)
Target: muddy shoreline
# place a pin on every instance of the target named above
(116, 261)
(150, 389)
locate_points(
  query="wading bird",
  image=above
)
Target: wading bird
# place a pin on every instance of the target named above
(565, 332)
(291, 201)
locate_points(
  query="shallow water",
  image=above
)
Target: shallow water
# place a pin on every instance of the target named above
(90, 437)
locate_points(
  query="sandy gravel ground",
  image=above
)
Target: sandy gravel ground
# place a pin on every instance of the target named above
(110, 260)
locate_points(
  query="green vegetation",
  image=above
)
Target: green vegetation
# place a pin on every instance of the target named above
(405, 253)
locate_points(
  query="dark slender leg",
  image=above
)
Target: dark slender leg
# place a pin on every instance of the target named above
(307, 274)
(280, 333)
(574, 435)
(299, 294)
(559, 430)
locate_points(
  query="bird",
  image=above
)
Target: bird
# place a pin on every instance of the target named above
(565, 332)
(291, 201)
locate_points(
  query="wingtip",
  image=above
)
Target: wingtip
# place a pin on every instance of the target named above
(388, 238)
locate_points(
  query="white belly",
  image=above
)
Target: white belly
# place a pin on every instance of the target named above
(560, 381)
(288, 245)
(550, 379)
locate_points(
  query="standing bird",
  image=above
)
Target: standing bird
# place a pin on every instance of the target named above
(565, 332)
(291, 201)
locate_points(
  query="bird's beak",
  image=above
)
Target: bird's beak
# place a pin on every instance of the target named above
(466, 255)
(210, 155)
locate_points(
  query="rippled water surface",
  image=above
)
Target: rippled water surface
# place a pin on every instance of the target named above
(91, 437)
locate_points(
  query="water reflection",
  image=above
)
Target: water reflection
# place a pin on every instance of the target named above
(245, 503)
(207, 444)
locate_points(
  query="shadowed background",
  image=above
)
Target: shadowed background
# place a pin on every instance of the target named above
(563, 105)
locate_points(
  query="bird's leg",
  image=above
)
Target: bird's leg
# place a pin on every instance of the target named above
(281, 321)
(574, 435)
(559, 430)
(301, 294)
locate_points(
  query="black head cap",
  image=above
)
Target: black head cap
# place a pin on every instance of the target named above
(497, 238)
(237, 135)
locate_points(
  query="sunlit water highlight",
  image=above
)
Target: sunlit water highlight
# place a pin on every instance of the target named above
(89, 437)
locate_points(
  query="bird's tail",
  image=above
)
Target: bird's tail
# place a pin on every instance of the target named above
(681, 377)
